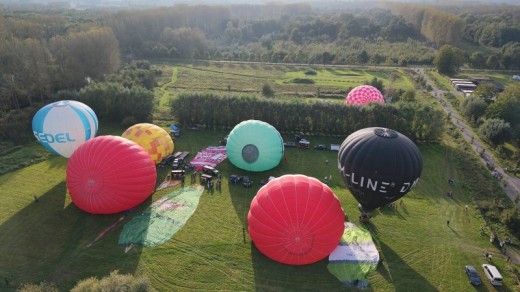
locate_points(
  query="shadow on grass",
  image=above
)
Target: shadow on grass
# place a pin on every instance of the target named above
(273, 276)
(241, 196)
(47, 241)
(400, 273)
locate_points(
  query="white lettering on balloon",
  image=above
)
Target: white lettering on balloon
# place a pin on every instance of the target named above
(378, 186)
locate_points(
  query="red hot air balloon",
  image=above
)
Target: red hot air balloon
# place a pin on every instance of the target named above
(295, 220)
(363, 95)
(110, 174)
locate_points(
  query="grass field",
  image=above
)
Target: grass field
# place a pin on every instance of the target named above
(48, 240)
(249, 78)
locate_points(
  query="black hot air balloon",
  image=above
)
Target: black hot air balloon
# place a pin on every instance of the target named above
(379, 166)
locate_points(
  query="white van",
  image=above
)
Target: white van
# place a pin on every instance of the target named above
(492, 274)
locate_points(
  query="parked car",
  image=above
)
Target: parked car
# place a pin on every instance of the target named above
(320, 147)
(223, 142)
(473, 276)
(167, 161)
(176, 163)
(290, 144)
(246, 181)
(492, 274)
(235, 179)
(210, 170)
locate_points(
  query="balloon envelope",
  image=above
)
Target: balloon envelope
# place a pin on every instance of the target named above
(295, 220)
(363, 95)
(254, 146)
(379, 166)
(152, 138)
(110, 174)
(63, 126)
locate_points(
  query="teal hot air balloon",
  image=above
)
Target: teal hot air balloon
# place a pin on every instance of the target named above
(254, 146)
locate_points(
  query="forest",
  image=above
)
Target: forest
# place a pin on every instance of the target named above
(48, 53)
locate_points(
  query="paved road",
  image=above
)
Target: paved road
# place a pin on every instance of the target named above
(512, 186)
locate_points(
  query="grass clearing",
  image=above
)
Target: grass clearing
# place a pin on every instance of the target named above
(249, 78)
(48, 240)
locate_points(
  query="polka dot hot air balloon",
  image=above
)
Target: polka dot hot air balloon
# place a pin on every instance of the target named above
(152, 138)
(295, 220)
(363, 95)
(254, 146)
(63, 126)
(110, 174)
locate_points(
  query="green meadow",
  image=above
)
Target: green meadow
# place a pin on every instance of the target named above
(286, 81)
(49, 240)
(52, 240)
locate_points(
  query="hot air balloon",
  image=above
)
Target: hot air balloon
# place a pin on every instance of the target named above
(152, 138)
(110, 174)
(295, 220)
(363, 95)
(254, 146)
(64, 125)
(379, 166)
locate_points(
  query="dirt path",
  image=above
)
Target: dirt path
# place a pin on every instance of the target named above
(512, 185)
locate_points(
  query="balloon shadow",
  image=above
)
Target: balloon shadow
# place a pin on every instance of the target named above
(398, 272)
(47, 240)
(241, 196)
(273, 276)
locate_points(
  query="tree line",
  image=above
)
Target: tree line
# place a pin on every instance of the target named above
(418, 121)
(33, 68)
(125, 98)
(435, 25)
(224, 33)
(496, 115)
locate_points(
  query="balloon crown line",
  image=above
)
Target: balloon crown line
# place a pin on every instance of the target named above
(385, 133)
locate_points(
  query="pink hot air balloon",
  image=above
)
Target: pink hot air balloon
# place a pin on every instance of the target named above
(363, 95)
(110, 174)
(295, 220)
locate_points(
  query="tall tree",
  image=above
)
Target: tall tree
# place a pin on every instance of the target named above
(448, 59)
(85, 54)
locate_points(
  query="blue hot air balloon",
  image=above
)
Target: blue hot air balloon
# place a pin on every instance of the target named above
(64, 125)
(255, 146)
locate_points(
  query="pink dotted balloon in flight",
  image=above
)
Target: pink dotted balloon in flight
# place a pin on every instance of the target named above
(363, 95)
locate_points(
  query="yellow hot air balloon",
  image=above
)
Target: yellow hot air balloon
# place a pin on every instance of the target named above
(154, 139)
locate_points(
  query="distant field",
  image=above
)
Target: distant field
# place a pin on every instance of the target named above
(249, 78)
(48, 240)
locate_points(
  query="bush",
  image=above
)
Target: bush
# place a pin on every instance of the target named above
(114, 282)
(267, 90)
(302, 81)
(128, 121)
(511, 218)
(310, 72)
(16, 127)
(473, 108)
(495, 131)
(42, 287)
